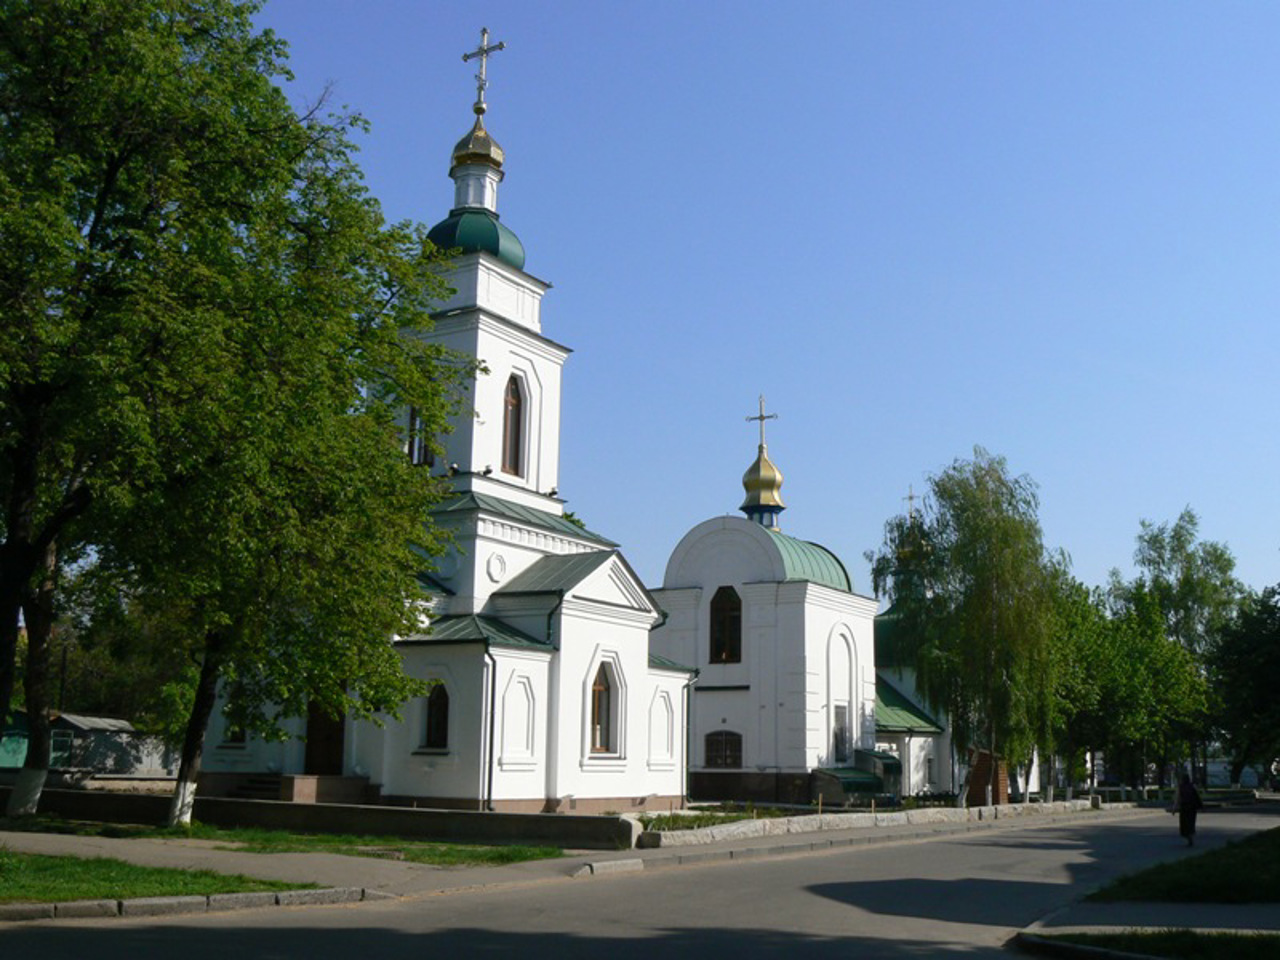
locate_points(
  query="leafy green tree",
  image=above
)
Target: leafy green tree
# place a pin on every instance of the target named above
(1193, 586)
(1193, 581)
(203, 357)
(1083, 668)
(970, 580)
(1245, 669)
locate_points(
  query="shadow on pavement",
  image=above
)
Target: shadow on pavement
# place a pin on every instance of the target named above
(996, 903)
(375, 943)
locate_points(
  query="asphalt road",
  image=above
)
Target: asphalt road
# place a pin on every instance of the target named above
(963, 895)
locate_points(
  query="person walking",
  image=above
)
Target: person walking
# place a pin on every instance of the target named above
(1186, 805)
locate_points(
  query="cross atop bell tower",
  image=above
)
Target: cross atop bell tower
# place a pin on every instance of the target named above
(482, 52)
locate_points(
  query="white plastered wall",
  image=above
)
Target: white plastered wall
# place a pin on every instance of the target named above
(784, 714)
(606, 620)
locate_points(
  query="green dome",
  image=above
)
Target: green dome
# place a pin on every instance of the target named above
(471, 230)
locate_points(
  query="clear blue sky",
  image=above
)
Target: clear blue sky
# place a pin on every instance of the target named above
(1049, 229)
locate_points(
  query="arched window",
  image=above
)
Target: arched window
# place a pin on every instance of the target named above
(724, 749)
(513, 429)
(602, 726)
(726, 626)
(435, 735)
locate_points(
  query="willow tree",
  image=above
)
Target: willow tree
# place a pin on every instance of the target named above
(207, 335)
(971, 576)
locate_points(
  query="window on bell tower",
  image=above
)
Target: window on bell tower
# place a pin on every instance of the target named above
(513, 429)
(419, 449)
(726, 626)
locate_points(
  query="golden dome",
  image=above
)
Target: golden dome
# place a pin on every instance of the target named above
(763, 483)
(477, 146)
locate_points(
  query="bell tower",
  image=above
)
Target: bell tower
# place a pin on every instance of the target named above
(506, 443)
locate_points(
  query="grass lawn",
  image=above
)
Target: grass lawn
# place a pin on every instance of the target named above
(1247, 871)
(40, 879)
(282, 841)
(714, 816)
(1183, 945)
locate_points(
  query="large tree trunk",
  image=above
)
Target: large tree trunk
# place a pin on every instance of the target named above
(38, 612)
(184, 793)
(10, 605)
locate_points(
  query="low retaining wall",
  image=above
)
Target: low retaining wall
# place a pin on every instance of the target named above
(454, 826)
(779, 826)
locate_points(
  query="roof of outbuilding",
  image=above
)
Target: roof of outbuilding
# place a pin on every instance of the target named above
(896, 714)
(662, 663)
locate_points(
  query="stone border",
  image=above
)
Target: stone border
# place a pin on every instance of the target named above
(811, 823)
(170, 906)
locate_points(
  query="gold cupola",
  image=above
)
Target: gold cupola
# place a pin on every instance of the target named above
(477, 146)
(763, 482)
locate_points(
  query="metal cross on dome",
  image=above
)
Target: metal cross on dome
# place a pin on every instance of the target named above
(482, 52)
(762, 417)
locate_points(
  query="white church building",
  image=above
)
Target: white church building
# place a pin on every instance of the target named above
(545, 695)
(783, 646)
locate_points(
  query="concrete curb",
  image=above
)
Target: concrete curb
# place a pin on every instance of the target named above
(171, 906)
(1041, 946)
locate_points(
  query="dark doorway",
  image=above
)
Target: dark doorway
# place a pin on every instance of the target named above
(325, 735)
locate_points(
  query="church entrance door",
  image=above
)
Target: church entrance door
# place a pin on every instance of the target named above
(325, 735)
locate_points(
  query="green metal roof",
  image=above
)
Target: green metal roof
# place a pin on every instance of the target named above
(521, 514)
(896, 714)
(809, 561)
(662, 663)
(472, 628)
(471, 230)
(557, 573)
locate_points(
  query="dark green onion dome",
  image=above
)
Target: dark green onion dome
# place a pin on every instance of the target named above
(471, 230)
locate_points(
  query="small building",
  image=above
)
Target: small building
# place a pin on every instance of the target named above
(783, 647)
(87, 746)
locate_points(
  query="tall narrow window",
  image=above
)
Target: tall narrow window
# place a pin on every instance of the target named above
(513, 429)
(840, 737)
(419, 450)
(436, 734)
(726, 626)
(602, 712)
(724, 749)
